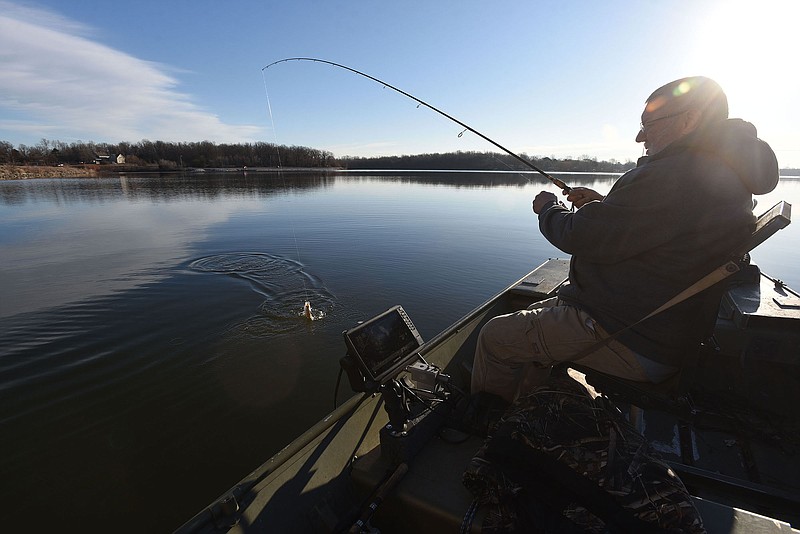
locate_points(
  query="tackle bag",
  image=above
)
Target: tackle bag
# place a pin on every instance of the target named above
(562, 461)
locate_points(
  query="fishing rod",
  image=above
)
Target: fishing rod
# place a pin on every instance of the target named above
(561, 185)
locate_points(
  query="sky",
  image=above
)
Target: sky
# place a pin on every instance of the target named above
(544, 78)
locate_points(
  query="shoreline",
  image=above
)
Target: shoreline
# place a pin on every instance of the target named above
(24, 172)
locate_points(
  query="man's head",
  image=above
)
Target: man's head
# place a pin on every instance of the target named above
(677, 109)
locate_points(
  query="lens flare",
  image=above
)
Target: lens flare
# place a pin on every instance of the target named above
(682, 89)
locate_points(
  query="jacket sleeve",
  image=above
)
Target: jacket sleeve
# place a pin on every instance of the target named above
(655, 206)
(607, 231)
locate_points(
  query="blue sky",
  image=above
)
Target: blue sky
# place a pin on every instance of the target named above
(544, 78)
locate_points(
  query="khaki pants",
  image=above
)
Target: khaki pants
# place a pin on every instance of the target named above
(516, 351)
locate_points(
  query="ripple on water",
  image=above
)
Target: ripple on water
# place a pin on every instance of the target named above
(283, 283)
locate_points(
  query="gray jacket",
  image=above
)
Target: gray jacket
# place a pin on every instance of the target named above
(664, 225)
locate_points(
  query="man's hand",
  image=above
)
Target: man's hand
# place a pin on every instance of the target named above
(582, 195)
(541, 200)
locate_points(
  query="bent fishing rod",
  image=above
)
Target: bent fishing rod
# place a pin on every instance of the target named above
(561, 185)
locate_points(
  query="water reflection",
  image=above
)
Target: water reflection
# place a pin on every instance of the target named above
(247, 185)
(54, 254)
(160, 187)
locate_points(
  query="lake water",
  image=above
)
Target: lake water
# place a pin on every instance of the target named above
(152, 344)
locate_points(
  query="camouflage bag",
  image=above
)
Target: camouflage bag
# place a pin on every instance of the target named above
(561, 461)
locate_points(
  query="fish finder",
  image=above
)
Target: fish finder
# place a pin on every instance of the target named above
(379, 348)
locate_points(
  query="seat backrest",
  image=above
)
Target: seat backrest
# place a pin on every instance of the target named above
(767, 224)
(777, 217)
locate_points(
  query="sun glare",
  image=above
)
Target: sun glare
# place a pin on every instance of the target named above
(747, 47)
(750, 48)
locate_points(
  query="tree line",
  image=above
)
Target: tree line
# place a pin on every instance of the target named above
(166, 155)
(206, 154)
(484, 161)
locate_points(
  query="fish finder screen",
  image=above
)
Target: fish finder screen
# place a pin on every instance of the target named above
(383, 343)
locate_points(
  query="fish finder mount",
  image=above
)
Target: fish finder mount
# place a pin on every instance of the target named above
(378, 350)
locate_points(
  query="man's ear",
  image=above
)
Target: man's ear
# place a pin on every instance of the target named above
(691, 120)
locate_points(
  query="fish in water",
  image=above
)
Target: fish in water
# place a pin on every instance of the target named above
(307, 310)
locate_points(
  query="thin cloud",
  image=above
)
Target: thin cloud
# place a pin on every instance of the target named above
(59, 82)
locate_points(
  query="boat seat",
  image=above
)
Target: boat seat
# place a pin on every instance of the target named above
(672, 396)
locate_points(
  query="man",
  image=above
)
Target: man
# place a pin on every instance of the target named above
(663, 226)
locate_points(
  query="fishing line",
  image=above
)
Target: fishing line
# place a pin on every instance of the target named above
(307, 303)
(466, 127)
(509, 167)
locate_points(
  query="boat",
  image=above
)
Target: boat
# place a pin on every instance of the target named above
(732, 434)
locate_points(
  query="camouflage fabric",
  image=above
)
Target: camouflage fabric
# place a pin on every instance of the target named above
(560, 426)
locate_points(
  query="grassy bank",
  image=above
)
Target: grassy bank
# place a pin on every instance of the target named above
(23, 172)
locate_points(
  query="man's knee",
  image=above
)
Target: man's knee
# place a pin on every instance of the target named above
(507, 329)
(492, 332)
